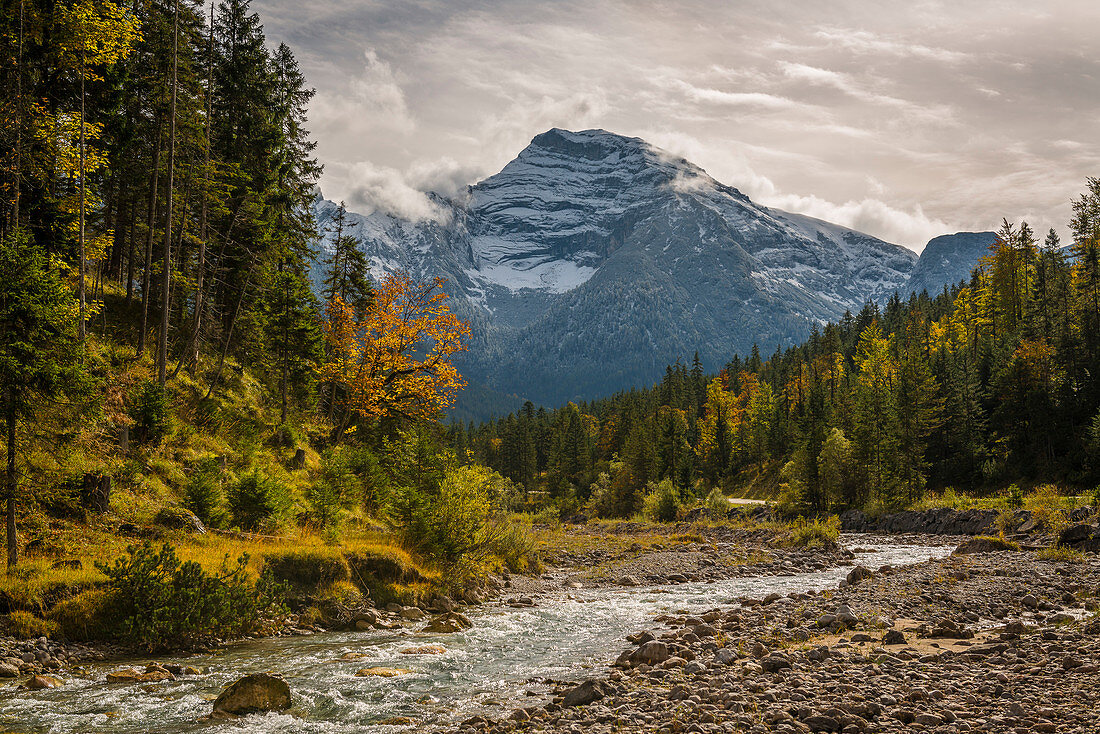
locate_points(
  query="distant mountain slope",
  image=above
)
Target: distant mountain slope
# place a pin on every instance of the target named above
(948, 259)
(592, 260)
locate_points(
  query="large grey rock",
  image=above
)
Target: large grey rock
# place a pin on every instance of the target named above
(1076, 534)
(651, 653)
(254, 693)
(586, 693)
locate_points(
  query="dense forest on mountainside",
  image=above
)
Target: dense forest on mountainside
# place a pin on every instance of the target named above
(993, 381)
(166, 366)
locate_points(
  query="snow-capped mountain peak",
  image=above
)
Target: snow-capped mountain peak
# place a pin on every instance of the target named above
(592, 260)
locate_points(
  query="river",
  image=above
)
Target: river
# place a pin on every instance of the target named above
(500, 664)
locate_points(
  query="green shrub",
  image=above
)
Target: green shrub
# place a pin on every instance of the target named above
(1047, 506)
(151, 413)
(203, 494)
(999, 542)
(1063, 554)
(307, 569)
(662, 502)
(515, 547)
(91, 615)
(163, 603)
(454, 526)
(1015, 496)
(369, 568)
(24, 626)
(717, 504)
(815, 533)
(334, 491)
(256, 501)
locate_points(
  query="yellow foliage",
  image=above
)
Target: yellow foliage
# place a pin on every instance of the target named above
(396, 360)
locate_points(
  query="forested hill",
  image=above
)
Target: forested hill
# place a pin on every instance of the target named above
(988, 383)
(164, 154)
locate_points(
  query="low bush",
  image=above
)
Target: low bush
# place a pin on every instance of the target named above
(163, 603)
(998, 542)
(662, 502)
(307, 569)
(1062, 554)
(151, 413)
(814, 533)
(91, 615)
(24, 626)
(1047, 506)
(717, 503)
(203, 494)
(257, 501)
(391, 565)
(515, 547)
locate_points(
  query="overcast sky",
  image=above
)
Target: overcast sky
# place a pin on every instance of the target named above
(903, 119)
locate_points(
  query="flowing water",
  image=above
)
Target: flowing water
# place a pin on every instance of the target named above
(502, 663)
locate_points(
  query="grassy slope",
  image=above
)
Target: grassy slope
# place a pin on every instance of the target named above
(239, 422)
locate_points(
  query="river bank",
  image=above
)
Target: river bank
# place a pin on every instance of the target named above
(991, 642)
(512, 656)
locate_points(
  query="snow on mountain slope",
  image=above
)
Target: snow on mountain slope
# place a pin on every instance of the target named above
(592, 260)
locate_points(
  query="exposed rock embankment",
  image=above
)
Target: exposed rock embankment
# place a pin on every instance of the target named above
(994, 642)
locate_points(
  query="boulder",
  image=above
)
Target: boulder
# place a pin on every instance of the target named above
(893, 637)
(41, 682)
(985, 544)
(859, 573)
(586, 693)
(627, 581)
(7, 670)
(447, 623)
(253, 694)
(1075, 534)
(845, 616)
(774, 663)
(651, 653)
(179, 518)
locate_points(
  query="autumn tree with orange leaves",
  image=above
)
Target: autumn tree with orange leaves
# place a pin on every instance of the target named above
(395, 361)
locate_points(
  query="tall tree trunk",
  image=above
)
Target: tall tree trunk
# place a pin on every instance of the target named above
(18, 173)
(196, 327)
(286, 339)
(12, 483)
(147, 276)
(166, 279)
(130, 253)
(228, 336)
(83, 261)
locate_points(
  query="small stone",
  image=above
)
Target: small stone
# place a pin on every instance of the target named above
(424, 650)
(380, 672)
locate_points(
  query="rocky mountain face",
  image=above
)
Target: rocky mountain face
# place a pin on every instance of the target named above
(593, 260)
(947, 259)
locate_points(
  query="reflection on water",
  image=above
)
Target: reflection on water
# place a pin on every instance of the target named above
(499, 664)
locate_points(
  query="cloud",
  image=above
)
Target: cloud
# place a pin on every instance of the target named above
(374, 188)
(867, 43)
(378, 91)
(875, 217)
(759, 100)
(445, 176)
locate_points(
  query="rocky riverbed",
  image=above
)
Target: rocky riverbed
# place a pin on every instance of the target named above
(990, 642)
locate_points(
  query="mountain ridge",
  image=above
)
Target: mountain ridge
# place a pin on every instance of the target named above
(592, 260)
